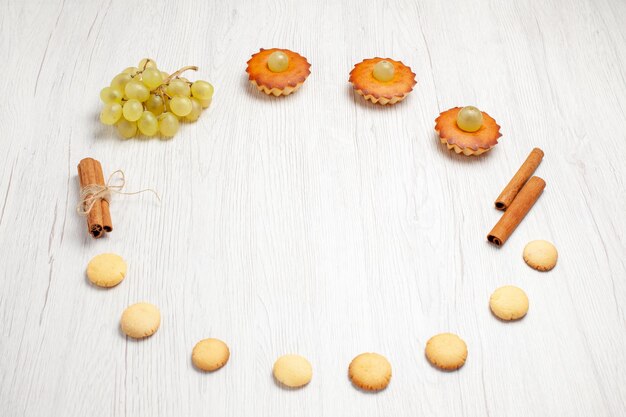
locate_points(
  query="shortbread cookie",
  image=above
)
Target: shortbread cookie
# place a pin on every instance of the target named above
(106, 270)
(446, 351)
(293, 371)
(370, 371)
(140, 320)
(540, 255)
(210, 354)
(509, 303)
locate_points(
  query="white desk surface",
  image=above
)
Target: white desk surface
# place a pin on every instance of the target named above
(317, 223)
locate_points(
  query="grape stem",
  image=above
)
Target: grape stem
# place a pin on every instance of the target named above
(160, 90)
(180, 71)
(145, 64)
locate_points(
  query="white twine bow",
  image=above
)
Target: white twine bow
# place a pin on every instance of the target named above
(92, 193)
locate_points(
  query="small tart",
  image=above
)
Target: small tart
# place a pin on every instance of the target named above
(382, 92)
(277, 83)
(469, 143)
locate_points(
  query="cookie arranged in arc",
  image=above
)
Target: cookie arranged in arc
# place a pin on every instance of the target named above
(277, 83)
(140, 320)
(446, 351)
(370, 371)
(509, 303)
(382, 92)
(540, 255)
(106, 270)
(468, 143)
(293, 371)
(210, 354)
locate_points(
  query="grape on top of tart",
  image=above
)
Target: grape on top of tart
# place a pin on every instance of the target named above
(278, 72)
(467, 130)
(382, 80)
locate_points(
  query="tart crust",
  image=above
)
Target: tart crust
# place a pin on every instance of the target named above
(468, 143)
(382, 92)
(277, 83)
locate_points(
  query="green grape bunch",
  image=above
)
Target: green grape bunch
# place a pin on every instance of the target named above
(148, 101)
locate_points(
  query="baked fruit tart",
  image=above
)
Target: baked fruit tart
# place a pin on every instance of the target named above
(467, 130)
(278, 72)
(382, 80)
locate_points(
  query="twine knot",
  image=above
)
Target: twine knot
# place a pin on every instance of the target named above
(93, 193)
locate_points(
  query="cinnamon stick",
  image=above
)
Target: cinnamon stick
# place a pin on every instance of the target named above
(99, 217)
(516, 212)
(107, 225)
(529, 166)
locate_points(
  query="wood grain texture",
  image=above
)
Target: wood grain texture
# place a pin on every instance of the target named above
(318, 223)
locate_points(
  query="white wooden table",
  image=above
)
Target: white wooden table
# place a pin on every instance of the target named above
(316, 224)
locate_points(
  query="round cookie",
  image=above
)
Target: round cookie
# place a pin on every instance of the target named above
(140, 320)
(106, 270)
(293, 371)
(540, 255)
(370, 371)
(446, 351)
(210, 354)
(509, 303)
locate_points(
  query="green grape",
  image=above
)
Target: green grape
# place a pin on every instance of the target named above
(168, 124)
(120, 81)
(469, 119)
(132, 110)
(147, 63)
(126, 129)
(181, 106)
(137, 90)
(278, 61)
(111, 95)
(111, 113)
(202, 90)
(155, 104)
(131, 70)
(383, 71)
(164, 75)
(178, 88)
(206, 103)
(148, 124)
(151, 77)
(196, 110)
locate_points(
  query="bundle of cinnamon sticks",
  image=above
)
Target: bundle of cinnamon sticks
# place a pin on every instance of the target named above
(517, 198)
(98, 217)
